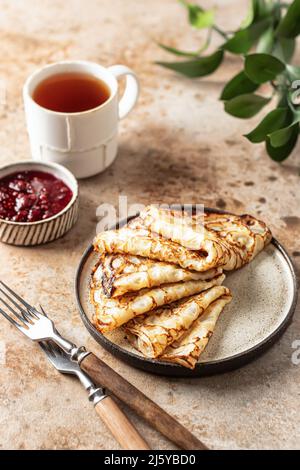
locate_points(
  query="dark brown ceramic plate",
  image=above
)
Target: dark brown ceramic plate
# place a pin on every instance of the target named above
(264, 300)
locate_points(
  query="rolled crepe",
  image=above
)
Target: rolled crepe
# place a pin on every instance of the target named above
(175, 225)
(187, 350)
(152, 334)
(248, 233)
(111, 313)
(119, 274)
(230, 241)
(142, 242)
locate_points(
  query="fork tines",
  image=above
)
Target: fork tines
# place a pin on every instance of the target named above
(12, 302)
(50, 348)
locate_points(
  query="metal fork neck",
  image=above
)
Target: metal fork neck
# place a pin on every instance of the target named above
(95, 394)
(66, 345)
(76, 354)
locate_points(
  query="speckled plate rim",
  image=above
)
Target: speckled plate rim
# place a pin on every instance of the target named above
(202, 369)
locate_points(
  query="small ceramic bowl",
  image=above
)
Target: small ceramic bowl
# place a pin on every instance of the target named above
(42, 231)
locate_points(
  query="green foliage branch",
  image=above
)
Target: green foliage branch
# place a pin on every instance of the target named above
(266, 42)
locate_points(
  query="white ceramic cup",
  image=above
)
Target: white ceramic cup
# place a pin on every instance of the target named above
(85, 142)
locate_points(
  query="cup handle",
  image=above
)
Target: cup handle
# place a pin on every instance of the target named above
(131, 93)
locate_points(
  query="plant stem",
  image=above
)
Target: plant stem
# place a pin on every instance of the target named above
(207, 42)
(220, 32)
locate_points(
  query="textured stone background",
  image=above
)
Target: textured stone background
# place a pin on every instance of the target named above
(177, 146)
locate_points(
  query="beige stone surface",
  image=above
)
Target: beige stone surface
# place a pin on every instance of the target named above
(177, 146)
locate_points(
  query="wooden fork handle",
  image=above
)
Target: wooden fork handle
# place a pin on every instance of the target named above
(119, 425)
(104, 376)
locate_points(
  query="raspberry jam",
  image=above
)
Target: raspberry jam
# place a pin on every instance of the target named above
(30, 196)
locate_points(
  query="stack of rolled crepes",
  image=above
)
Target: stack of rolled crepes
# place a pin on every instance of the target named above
(160, 278)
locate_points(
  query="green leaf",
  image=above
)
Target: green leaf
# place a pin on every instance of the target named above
(198, 67)
(281, 153)
(258, 10)
(270, 123)
(244, 39)
(238, 85)
(289, 26)
(251, 14)
(198, 17)
(245, 106)
(266, 41)
(261, 68)
(266, 7)
(281, 136)
(201, 19)
(284, 49)
(240, 43)
(177, 51)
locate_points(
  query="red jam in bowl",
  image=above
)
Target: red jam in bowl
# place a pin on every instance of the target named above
(30, 196)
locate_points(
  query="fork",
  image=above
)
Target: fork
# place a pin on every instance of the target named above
(34, 324)
(37, 326)
(104, 405)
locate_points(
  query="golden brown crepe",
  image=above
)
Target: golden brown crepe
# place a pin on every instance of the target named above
(119, 274)
(152, 334)
(175, 225)
(230, 241)
(160, 277)
(245, 231)
(111, 313)
(142, 242)
(187, 350)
